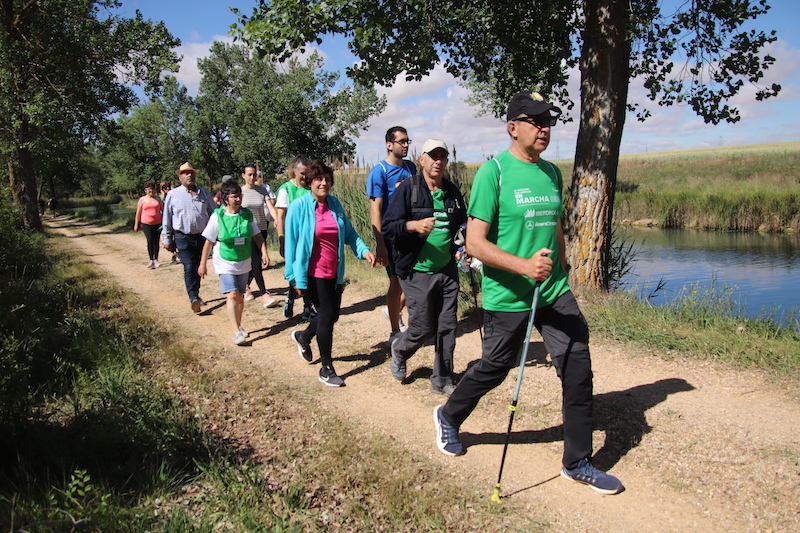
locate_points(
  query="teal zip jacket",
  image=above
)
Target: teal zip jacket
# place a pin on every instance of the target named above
(300, 223)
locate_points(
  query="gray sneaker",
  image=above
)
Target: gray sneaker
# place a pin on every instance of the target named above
(596, 479)
(327, 375)
(397, 366)
(446, 435)
(447, 389)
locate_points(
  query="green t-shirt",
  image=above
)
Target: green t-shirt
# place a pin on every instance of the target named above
(293, 192)
(522, 203)
(436, 253)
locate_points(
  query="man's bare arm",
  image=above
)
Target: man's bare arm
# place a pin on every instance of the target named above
(376, 220)
(536, 267)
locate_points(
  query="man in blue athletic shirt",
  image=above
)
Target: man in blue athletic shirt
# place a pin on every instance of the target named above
(381, 183)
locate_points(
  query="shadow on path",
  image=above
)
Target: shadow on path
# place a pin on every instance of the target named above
(621, 414)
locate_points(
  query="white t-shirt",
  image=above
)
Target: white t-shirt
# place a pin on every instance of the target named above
(223, 266)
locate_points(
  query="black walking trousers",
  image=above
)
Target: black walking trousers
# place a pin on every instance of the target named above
(566, 337)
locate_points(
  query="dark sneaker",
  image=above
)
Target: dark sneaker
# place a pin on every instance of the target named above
(446, 435)
(327, 375)
(397, 366)
(308, 314)
(303, 348)
(196, 303)
(597, 479)
(394, 335)
(288, 308)
(447, 390)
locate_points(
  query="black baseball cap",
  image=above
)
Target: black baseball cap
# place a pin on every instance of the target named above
(529, 103)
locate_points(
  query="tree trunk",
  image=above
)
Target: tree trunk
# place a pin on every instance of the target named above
(26, 183)
(605, 68)
(12, 176)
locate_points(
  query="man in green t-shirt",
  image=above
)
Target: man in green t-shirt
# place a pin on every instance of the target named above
(515, 229)
(421, 223)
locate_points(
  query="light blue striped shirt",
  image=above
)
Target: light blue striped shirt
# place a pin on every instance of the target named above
(186, 212)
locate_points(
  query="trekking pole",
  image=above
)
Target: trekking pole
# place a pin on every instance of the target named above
(513, 406)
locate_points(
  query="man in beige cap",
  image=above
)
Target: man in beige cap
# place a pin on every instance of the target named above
(186, 213)
(421, 223)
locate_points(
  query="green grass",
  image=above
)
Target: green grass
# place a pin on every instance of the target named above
(704, 323)
(735, 188)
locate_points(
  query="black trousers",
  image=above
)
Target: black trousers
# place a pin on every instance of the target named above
(566, 337)
(153, 236)
(326, 295)
(255, 269)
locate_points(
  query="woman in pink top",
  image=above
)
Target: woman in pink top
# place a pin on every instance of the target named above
(317, 230)
(148, 217)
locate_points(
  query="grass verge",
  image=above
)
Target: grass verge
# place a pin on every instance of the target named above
(133, 433)
(702, 322)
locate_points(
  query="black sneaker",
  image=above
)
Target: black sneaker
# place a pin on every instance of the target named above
(303, 348)
(597, 479)
(327, 375)
(308, 314)
(288, 308)
(447, 389)
(446, 435)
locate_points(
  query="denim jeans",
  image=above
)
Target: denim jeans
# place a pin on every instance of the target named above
(190, 248)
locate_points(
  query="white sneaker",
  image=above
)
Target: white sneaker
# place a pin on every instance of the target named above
(385, 312)
(239, 337)
(150, 264)
(248, 294)
(242, 330)
(156, 264)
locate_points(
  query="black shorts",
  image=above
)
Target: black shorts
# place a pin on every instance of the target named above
(390, 263)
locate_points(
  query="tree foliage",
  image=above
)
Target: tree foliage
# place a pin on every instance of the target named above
(65, 66)
(247, 111)
(692, 53)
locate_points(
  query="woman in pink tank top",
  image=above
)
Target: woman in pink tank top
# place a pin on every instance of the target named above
(148, 217)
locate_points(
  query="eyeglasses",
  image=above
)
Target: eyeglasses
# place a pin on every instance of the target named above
(540, 121)
(404, 142)
(166, 188)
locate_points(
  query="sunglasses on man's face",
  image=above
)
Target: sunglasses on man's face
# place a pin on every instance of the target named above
(540, 121)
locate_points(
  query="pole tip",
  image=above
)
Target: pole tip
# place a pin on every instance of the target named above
(496, 495)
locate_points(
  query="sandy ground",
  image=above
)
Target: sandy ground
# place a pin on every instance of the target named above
(698, 446)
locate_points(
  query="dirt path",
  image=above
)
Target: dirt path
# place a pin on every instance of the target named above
(699, 447)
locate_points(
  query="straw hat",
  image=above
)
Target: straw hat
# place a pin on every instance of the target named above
(186, 167)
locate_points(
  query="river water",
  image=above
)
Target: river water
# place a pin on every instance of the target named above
(764, 269)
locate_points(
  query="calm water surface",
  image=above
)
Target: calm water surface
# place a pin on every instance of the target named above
(764, 268)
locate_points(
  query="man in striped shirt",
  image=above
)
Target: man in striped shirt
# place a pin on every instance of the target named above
(186, 213)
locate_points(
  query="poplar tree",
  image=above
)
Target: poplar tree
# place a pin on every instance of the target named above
(695, 53)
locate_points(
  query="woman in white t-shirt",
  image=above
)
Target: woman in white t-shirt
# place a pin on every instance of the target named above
(230, 231)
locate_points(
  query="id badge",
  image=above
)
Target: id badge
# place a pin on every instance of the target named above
(238, 241)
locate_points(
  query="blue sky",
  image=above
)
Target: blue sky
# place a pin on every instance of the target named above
(434, 107)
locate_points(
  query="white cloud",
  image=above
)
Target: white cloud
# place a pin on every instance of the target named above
(188, 74)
